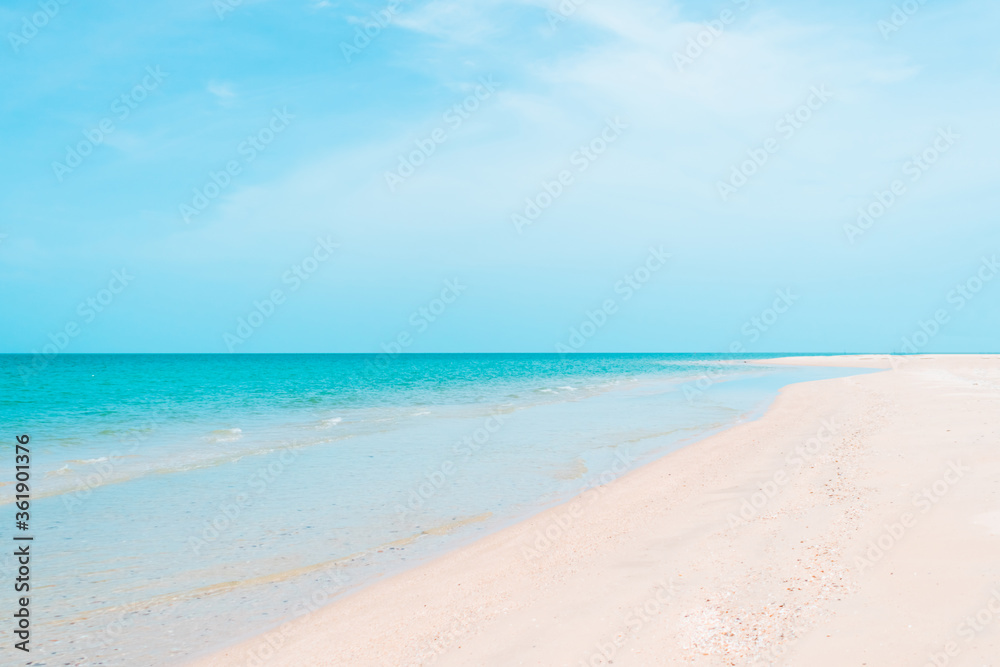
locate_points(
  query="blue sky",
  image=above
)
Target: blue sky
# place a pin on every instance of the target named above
(615, 97)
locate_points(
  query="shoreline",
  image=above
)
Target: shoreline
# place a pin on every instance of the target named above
(557, 588)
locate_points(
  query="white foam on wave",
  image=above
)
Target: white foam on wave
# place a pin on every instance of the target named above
(329, 423)
(88, 461)
(226, 435)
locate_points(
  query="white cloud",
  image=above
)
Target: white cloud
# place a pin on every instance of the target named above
(459, 23)
(688, 128)
(222, 90)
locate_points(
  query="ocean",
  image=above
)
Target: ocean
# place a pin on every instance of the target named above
(184, 502)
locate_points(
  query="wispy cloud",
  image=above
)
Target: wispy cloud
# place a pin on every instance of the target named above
(221, 90)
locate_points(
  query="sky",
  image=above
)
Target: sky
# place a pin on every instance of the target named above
(499, 176)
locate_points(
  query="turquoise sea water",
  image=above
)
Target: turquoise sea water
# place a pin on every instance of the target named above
(182, 502)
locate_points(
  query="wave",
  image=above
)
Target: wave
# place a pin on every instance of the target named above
(74, 480)
(225, 435)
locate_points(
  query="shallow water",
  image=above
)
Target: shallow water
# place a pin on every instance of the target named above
(181, 502)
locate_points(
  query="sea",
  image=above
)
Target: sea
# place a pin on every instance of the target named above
(183, 503)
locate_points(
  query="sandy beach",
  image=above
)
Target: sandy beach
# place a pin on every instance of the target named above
(856, 523)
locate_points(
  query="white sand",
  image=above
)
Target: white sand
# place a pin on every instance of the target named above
(656, 570)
